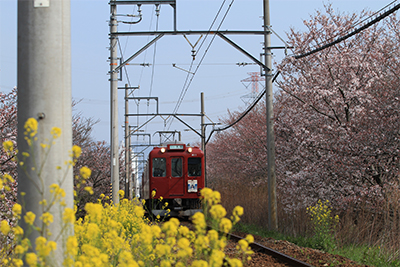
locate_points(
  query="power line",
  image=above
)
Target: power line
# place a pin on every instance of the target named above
(184, 90)
(122, 58)
(154, 52)
(248, 109)
(154, 59)
(343, 31)
(340, 39)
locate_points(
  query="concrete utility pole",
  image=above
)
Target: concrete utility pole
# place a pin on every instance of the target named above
(203, 126)
(128, 182)
(114, 103)
(272, 206)
(44, 93)
(203, 136)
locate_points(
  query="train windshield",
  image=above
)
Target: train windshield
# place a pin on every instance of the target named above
(159, 167)
(194, 166)
(176, 167)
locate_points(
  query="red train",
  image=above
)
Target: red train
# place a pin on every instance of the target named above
(175, 174)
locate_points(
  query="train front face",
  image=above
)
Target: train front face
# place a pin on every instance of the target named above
(176, 176)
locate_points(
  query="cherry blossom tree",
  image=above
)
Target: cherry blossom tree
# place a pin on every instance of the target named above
(338, 110)
(240, 151)
(8, 132)
(95, 155)
(8, 128)
(336, 117)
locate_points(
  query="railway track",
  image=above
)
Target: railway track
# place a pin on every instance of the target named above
(263, 255)
(281, 259)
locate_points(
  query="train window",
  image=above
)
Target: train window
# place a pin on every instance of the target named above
(176, 167)
(159, 167)
(194, 166)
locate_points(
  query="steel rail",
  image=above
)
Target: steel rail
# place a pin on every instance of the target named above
(273, 253)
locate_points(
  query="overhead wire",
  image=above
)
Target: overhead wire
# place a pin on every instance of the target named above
(158, 8)
(186, 87)
(342, 31)
(205, 53)
(373, 14)
(154, 52)
(180, 98)
(122, 59)
(355, 31)
(244, 113)
(259, 97)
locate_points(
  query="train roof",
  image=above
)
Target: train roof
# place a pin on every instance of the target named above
(176, 147)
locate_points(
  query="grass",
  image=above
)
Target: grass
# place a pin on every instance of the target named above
(371, 256)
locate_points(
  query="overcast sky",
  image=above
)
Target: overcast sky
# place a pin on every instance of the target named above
(218, 76)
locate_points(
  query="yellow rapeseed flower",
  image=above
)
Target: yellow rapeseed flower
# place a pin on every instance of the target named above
(55, 132)
(243, 245)
(162, 250)
(183, 231)
(216, 258)
(47, 218)
(76, 151)
(165, 263)
(31, 259)
(94, 210)
(8, 146)
(5, 227)
(206, 194)
(235, 263)
(238, 211)
(250, 239)
(43, 202)
(69, 215)
(156, 230)
(72, 246)
(199, 222)
(199, 263)
(18, 231)
(217, 212)
(42, 247)
(19, 249)
(17, 262)
(25, 243)
(89, 189)
(8, 178)
(125, 259)
(31, 126)
(17, 209)
(216, 197)
(92, 230)
(225, 225)
(185, 250)
(29, 217)
(85, 172)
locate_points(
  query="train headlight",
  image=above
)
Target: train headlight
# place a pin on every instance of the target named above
(190, 150)
(163, 150)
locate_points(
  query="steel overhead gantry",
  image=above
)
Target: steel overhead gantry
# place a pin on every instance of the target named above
(157, 114)
(114, 69)
(164, 116)
(172, 3)
(266, 69)
(221, 34)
